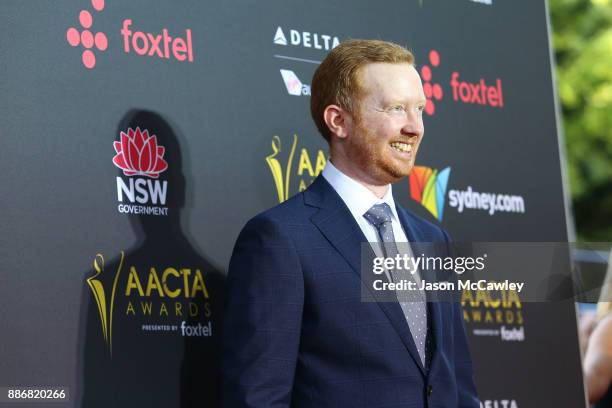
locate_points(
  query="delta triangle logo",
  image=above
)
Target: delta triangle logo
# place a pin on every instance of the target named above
(279, 37)
(428, 187)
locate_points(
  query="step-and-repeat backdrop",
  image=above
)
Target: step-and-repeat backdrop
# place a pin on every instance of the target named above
(138, 137)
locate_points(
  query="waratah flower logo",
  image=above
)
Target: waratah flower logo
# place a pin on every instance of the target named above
(139, 155)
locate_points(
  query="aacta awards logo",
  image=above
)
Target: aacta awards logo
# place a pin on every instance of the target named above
(465, 92)
(156, 300)
(428, 187)
(161, 45)
(305, 172)
(142, 160)
(104, 300)
(494, 313)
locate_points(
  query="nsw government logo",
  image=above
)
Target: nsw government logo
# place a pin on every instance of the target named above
(142, 161)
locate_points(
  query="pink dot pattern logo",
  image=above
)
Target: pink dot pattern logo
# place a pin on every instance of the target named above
(433, 91)
(86, 37)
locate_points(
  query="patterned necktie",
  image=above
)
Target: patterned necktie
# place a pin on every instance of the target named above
(415, 311)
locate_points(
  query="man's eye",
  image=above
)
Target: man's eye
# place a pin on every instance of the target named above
(421, 108)
(396, 108)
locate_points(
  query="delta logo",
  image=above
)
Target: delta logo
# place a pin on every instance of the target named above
(141, 160)
(428, 187)
(293, 84)
(465, 92)
(305, 39)
(501, 403)
(157, 45)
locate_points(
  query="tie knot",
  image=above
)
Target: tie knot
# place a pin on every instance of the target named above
(378, 214)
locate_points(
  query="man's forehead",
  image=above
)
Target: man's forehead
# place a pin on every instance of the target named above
(381, 68)
(388, 77)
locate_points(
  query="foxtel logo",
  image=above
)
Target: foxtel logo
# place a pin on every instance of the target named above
(293, 84)
(153, 45)
(306, 39)
(479, 93)
(158, 45)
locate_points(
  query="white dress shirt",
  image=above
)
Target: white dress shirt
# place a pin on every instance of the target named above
(359, 200)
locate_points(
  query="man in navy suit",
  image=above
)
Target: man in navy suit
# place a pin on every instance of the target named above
(297, 332)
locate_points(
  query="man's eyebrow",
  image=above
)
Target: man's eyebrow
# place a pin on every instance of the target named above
(406, 101)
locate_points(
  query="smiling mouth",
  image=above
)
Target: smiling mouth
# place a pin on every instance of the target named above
(402, 147)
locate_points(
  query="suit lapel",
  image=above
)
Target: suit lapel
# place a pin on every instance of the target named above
(337, 224)
(416, 235)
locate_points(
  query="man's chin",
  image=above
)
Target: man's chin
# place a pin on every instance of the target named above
(399, 172)
(393, 175)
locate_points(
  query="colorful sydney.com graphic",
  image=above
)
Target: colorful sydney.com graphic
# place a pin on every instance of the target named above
(139, 155)
(428, 187)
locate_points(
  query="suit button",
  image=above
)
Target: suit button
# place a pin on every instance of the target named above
(429, 390)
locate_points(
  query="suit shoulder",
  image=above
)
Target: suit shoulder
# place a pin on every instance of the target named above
(290, 211)
(275, 220)
(275, 227)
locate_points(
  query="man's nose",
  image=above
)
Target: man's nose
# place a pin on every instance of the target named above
(413, 125)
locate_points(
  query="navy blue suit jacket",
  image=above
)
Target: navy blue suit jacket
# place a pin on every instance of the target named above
(297, 334)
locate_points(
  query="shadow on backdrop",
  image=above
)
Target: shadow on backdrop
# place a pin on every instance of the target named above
(151, 316)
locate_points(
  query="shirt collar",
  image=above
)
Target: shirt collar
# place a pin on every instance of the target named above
(355, 195)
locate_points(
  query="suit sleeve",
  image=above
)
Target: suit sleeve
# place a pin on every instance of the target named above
(464, 372)
(263, 316)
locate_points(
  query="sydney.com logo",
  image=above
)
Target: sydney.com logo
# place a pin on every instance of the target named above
(428, 187)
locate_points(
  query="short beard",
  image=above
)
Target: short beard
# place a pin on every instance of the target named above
(372, 163)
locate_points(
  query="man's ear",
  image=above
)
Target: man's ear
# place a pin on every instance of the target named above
(338, 121)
